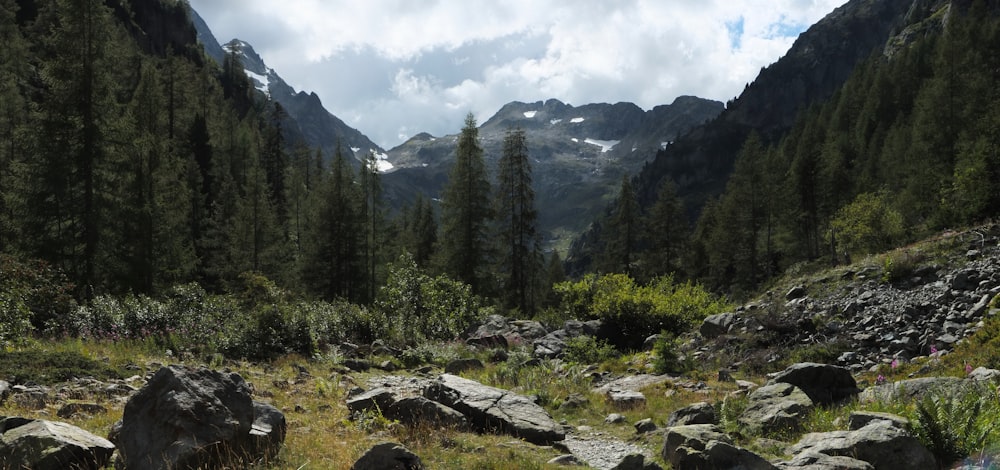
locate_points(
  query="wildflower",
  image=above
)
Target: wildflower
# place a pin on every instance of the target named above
(880, 379)
(934, 350)
(895, 363)
(968, 369)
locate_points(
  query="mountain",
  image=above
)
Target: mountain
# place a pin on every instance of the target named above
(308, 121)
(817, 64)
(579, 154)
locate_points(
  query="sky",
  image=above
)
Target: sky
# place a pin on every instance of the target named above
(395, 68)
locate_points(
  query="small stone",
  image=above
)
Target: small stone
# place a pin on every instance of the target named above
(614, 418)
(645, 426)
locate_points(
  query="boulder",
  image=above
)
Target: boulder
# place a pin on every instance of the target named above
(860, 419)
(418, 410)
(698, 413)
(636, 462)
(185, 418)
(824, 383)
(50, 445)
(717, 325)
(817, 461)
(880, 443)
(268, 431)
(388, 456)
(912, 389)
(705, 446)
(775, 407)
(488, 408)
(984, 373)
(645, 426)
(488, 341)
(625, 399)
(378, 399)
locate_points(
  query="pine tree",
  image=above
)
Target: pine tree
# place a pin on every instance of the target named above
(666, 234)
(622, 231)
(372, 217)
(334, 269)
(520, 255)
(465, 213)
(70, 182)
(13, 114)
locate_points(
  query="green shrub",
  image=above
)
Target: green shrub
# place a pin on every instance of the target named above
(956, 424)
(414, 306)
(15, 319)
(588, 350)
(638, 311)
(666, 356)
(43, 290)
(868, 224)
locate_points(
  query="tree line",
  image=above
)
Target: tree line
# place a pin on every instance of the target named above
(132, 171)
(910, 145)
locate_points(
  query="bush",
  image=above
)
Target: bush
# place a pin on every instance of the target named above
(588, 350)
(666, 357)
(956, 424)
(638, 311)
(41, 289)
(868, 224)
(413, 306)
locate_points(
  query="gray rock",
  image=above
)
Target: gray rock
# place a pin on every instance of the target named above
(796, 292)
(357, 365)
(625, 399)
(187, 418)
(72, 409)
(636, 462)
(982, 373)
(458, 366)
(488, 341)
(376, 399)
(614, 418)
(645, 426)
(911, 389)
(550, 346)
(698, 413)
(879, 443)
(488, 408)
(417, 410)
(4, 391)
(824, 383)
(860, 419)
(50, 445)
(817, 461)
(388, 456)
(566, 460)
(717, 325)
(775, 407)
(704, 446)
(267, 433)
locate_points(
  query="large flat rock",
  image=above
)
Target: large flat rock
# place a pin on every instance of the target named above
(491, 409)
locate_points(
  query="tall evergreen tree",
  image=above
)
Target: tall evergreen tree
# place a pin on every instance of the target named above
(372, 217)
(72, 179)
(466, 212)
(520, 255)
(622, 231)
(13, 114)
(666, 229)
(334, 268)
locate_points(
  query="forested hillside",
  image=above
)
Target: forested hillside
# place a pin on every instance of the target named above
(906, 147)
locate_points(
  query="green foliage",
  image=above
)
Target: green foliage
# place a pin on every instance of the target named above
(637, 311)
(50, 368)
(36, 288)
(588, 350)
(414, 306)
(868, 224)
(957, 424)
(667, 357)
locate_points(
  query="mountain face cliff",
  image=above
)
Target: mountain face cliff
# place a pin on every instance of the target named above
(818, 63)
(307, 122)
(578, 154)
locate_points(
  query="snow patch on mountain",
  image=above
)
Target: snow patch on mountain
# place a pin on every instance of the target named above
(261, 82)
(577, 120)
(530, 114)
(605, 145)
(555, 121)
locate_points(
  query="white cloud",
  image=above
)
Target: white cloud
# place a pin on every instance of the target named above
(421, 65)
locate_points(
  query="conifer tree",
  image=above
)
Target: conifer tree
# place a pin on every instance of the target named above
(622, 231)
(519, 252)
(666, 234)
(372, 218)
(466, 213)
(334, 270)
(13, 114)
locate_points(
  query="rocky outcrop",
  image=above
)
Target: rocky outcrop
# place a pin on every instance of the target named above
(824, 384)
(775, 407)
(698, 413)
(488, 409)
(388, 456)
(717, 325)
(704, 446)
(881, 443)
(192, 418)
(50, 445)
